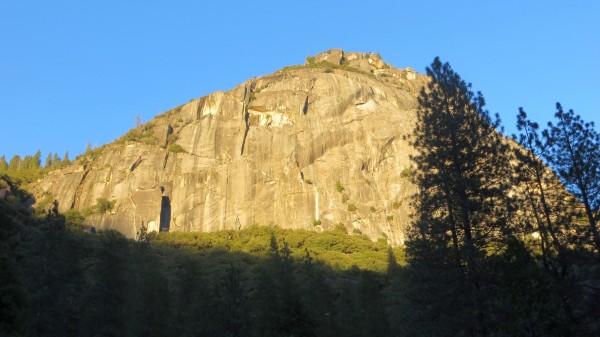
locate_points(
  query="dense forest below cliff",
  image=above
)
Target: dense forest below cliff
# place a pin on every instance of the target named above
(60, 278)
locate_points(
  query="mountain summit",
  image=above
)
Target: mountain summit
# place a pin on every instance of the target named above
(311, 146)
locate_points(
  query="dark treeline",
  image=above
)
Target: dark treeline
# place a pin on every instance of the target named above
(59, 280)
(504, 242)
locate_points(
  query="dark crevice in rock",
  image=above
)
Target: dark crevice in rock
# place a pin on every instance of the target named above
(165, 214)
(169, 132)
(305, 108)
(247, 94)
(165, 160)
(79, 186)
(134, 165)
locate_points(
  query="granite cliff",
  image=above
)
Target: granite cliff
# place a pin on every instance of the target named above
(312, 146)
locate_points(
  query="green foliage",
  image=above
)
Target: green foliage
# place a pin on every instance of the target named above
(102, 206)
(132, 135)
(389, 218)
(26, 170)
(316, 222)
(406, 173)
(373, 209)
(334, 248)
(396, 204)
(351, 207)
(339, 187)
(143, 134)
(3, 165)
(171, 138)
(43, 205)
(90, 154)
(176, 148)
(340, 227)
(47, 162)
(74, 220)
(14, 301)
(105, 205)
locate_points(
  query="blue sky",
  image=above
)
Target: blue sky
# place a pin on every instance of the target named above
(79, 72)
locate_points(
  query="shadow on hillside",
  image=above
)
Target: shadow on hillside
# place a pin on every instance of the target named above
(58, 280)
(63, 281)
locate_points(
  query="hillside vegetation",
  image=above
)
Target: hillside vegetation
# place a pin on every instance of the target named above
(62, 278)
(335, 249)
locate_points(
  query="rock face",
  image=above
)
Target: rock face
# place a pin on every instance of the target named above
(311, 147)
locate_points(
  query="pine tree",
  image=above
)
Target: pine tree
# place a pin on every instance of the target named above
(3, 165)
(280, 311)
(462, 170)
(153, 312)
(37, 160)
(575, 155)
(543, 192)
(462, 209)
(48, 162)
(14, 164)
(66, 159)
(317, 296)
(13, 295)
(142, 235)
(231, 309)
(108, 296)
(192, 316)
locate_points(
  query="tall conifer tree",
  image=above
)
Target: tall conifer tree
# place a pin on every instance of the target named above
(543, 193)
(14, 164)
(462, 209)
(3, 165)
(575, 155)
(462, 170)
(48, 161)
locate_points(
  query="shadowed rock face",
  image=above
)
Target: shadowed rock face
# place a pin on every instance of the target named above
(269, 152)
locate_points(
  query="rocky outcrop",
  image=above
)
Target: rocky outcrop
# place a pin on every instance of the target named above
(311, 147)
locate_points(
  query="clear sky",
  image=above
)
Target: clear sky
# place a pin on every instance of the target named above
(79, 72)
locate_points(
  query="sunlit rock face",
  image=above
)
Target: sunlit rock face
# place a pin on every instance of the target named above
(307, 147)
